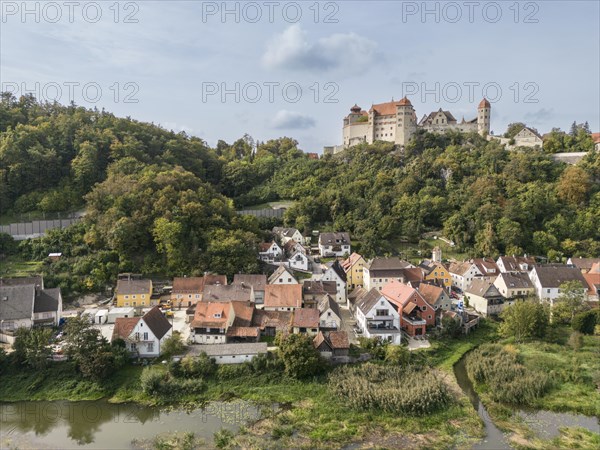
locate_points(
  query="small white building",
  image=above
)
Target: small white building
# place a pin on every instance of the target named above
(270, 252)
(282, 275)
(230, 353)
(548, 279)
(101, 317)
(91, 313)
(463, 274)
(336, 273)
(287, 234)
(299, 261)
(116, 313)
(334, 244)
(329, 313)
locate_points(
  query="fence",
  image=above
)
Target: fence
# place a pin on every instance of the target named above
(35, 228)
(268, 212)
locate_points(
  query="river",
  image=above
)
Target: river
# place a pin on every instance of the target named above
(545, 424)
(99, 424)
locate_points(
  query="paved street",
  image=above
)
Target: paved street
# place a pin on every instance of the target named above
(348, 323)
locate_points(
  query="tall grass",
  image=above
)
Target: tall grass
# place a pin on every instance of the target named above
(392, 389)
(507, 380)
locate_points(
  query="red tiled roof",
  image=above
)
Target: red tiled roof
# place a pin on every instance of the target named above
(484, 103)
(187, 285)
(242, 332)
(204, 316)
(283, 295)
(306, 318)
(339, 339)
(124, 326)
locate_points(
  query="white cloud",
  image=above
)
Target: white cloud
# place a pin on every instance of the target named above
(292, 120)
(291, 50)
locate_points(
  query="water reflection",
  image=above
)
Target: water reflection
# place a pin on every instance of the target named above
(100, 424)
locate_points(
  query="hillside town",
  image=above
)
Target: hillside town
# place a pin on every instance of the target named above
(314, 285)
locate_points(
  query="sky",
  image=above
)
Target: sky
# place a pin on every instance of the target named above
(219, 70)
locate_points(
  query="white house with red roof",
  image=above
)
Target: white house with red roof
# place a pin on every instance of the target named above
(144, 335)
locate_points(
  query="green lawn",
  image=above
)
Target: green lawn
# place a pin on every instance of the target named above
(269, 205)
(14, 266)
(410, 250)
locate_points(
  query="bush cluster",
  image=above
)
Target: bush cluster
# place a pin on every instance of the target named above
(399, 390)
(156, 382)
(508, 380)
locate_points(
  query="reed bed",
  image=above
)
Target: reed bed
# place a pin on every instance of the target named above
(506, 379)
(399, 390)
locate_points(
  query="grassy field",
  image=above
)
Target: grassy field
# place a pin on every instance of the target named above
(270, 205)
(306, 414)
(410, 250)
(13, 266)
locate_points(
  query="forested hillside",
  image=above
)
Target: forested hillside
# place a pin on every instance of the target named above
(163, 202)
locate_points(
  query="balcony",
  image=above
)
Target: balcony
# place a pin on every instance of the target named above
(374, 328)
(413, 321)
(380, 318)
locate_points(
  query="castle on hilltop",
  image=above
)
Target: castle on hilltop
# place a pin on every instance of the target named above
(397, 122)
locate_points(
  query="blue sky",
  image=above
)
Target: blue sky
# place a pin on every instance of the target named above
(538, 61)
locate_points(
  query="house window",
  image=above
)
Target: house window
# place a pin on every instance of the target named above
(126, 303)
(150, 346)
(143, 295)
(429, 316)
(127, 296)
(381, 312)
(197, 295)
(134, 303)
(424, 308)
(145, 336)
(133, 347)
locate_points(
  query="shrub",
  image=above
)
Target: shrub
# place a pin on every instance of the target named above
(585, 322)
(233, 371)
(267, 363)
(510, 381)
(152, 380)
(398, 390)
(195, 366)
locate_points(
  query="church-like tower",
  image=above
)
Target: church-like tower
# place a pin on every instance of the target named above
(406, 121)
(484, 113)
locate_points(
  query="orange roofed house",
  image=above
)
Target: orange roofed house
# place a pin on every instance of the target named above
(224, 322)
(416, 314)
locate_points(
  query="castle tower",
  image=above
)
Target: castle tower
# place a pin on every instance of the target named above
(436, 254)
(406, 123)
(484, 114)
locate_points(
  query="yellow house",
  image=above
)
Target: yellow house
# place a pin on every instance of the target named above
(133, 292)
(436, 271)
(353, 266)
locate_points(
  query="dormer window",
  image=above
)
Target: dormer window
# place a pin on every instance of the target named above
(217, 316)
